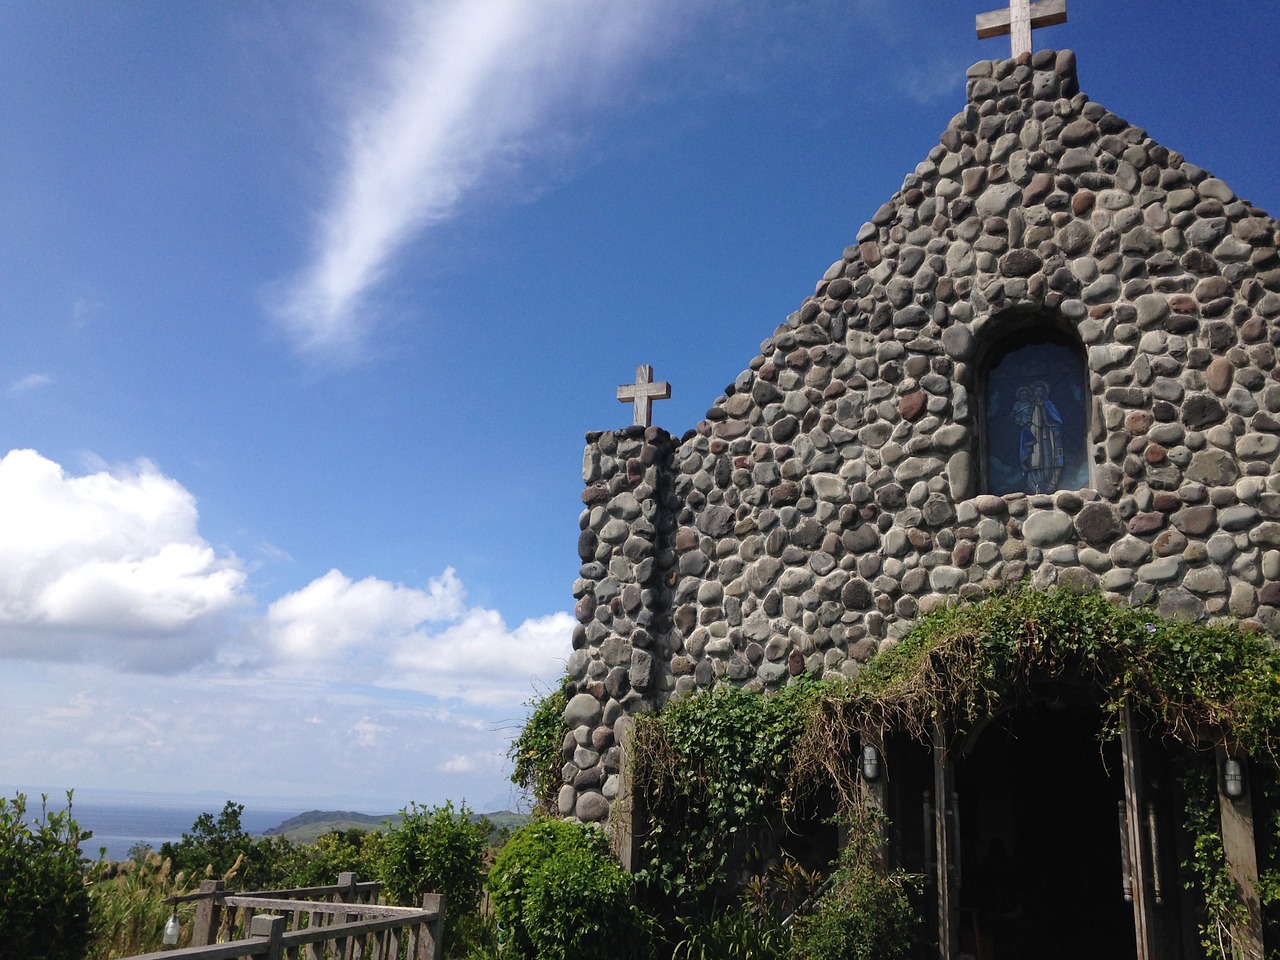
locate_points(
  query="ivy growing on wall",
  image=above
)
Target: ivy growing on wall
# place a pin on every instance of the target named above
(713, 766)
(536, 751)
(1201, 684)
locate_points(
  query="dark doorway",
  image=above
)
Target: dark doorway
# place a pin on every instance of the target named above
(1041, 872)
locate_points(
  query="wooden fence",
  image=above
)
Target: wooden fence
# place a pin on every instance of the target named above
(340, 922)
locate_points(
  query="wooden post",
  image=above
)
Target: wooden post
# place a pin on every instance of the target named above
(347, 881)
(946, 846)
(625, 812)
(1141, 861)
(204, 930)
(269, 928)
(431, 940)
(1242, 863)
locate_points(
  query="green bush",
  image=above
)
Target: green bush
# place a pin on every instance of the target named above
(438, 850)
(866, 915)
(713, 766)
(44, 898)
(557, 894)
(318, 864)
(737, 933)
(219, 847)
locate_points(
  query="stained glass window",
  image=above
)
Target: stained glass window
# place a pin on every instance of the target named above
(1036, 419)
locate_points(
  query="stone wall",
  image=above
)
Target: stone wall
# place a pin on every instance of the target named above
(831, 495)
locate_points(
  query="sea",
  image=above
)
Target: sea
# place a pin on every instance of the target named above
(119, 819)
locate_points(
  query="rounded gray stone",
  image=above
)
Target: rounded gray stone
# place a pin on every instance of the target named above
(998, 199)
(1047, 529)
(591, 808)
(1161, 570)
(1098, 524)
(583, 710)
(946, 578)
(565, 800)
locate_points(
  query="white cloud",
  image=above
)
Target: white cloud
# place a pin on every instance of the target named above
(466, 91)
(459, 763)
(367, 732)
(106, 581)
(333, 615)
(427, 641)
(83, 725)
(32, 381)
(107, 566)
(481, 660)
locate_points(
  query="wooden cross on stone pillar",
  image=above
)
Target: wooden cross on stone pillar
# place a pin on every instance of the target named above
(1020, 19)
(642, 393)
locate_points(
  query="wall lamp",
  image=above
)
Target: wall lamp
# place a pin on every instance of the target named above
(1233, 778)
(870, 763)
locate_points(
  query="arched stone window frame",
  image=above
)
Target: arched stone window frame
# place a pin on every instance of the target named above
(1011, 331)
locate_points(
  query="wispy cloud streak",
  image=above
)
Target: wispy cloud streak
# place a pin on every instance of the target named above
(470, 86)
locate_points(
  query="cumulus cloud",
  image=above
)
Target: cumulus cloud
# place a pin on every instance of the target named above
(334, 616)
(107, 566)
(425, 640)
(104, 578)
(482, 660)
(466, 90)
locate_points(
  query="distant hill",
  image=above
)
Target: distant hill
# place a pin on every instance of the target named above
(310, 826)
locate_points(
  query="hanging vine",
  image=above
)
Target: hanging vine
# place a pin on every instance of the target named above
(712, 764)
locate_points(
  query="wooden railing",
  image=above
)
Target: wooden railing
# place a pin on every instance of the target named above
(340, 922)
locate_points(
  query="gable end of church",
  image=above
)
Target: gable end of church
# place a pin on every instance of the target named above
(1050, 357)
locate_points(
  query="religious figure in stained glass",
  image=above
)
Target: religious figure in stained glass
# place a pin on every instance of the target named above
(1035, 420)
(1040, 440)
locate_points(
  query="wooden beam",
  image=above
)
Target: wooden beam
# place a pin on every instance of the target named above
(1044, 13)
(625, 810)
(946, 843)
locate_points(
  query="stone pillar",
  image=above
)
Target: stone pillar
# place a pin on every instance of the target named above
(620, 664)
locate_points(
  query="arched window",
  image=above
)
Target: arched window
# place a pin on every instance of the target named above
(1035, 415)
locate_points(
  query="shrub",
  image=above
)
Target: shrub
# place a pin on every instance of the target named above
(866, 915)
(44, 899)
(558, 895)
(437, 850)
(713, 766)
(217, 847)
(319, 864)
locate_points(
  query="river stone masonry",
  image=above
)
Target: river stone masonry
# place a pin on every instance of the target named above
(832, 493)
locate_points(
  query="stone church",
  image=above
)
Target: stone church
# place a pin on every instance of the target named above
(1050, 357)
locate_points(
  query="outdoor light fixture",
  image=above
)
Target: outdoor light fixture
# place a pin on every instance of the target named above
(870, 762)
(171, 928)
(1233, 778)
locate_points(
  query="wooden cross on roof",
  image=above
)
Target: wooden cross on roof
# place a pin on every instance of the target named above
(1020, 19)
(642, 393)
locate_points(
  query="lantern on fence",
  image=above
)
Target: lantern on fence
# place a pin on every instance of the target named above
(171, 928)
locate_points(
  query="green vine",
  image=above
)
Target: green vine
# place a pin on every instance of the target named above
(1224, 911)
(714, 767)
(714, 764)
(536, 750)
(1202, 685)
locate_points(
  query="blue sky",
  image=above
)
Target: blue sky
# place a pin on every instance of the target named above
(305, 309)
